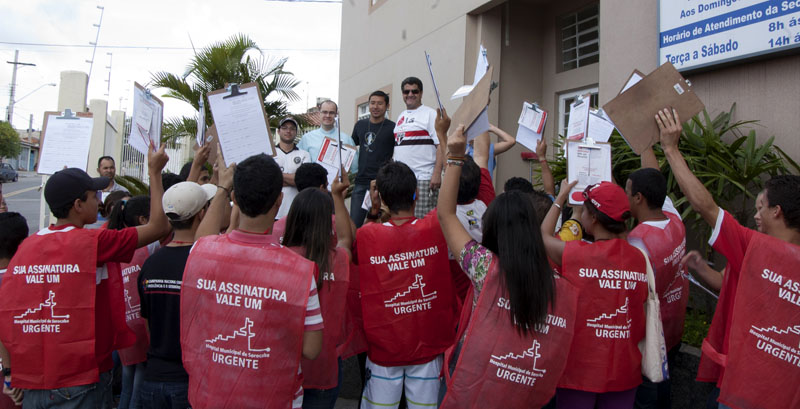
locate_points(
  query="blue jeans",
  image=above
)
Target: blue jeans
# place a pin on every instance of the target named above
(164, 395)
(132, 376)
(322, 398)
(357, 214)
(94, 396)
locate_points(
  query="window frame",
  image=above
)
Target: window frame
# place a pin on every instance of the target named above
(578, 45)
(563, 105)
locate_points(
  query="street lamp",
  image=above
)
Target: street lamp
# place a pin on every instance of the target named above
(11, 106)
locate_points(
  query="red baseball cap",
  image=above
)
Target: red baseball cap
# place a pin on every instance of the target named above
(608, 198)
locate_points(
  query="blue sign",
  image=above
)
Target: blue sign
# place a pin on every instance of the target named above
(694, 34)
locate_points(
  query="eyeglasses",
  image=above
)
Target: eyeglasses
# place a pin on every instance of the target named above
(410, 91)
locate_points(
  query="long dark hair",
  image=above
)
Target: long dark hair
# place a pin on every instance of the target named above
(511, 231)
(126, 212)
(308, 225)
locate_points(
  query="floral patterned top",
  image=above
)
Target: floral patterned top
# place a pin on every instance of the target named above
(475, 261)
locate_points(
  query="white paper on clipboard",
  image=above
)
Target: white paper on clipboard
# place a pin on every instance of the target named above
(66, 143)
(578, 118)
(531, 122)
(480, 70)
(146, 121)
(479, 125)
(589, 164)
(329, 158)
(600, 126)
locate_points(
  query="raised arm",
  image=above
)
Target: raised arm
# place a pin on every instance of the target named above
(547, 175)
(505, 141)
(553, 245)
(669, 126)
(216, 211)
(454, 232)
(158, 225)
(649, 159)
(344, 233)
(199, 161)
(480, 150)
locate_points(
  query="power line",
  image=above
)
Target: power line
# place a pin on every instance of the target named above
(148, 47)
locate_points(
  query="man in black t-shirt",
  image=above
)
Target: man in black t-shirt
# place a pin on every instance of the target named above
(166, 383)
(375, 139)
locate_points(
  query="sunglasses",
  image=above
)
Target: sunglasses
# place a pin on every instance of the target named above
(586, 191)
(410, 91)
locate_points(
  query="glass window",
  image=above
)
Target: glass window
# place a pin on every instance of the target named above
(580, 38)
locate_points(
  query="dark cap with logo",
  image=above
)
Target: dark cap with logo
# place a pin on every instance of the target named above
(69, 184)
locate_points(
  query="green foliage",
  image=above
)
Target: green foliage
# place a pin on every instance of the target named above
(133, 185)
(733, 172)
(215, 67)
(695, 327)
(10, 145)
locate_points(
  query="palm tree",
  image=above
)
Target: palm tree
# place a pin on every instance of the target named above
(221, 64)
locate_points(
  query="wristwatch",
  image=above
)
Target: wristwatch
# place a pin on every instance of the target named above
(370, 216)
(6, 371)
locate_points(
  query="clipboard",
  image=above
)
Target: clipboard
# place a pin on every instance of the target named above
(633, 111)
(153, 133)
(238, 91)
(576, 194)
(211, 139)
(474, 103)
(67, 115)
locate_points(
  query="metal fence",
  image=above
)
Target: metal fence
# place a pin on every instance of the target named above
(134, 163)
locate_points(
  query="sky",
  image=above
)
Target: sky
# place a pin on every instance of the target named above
(306, 33)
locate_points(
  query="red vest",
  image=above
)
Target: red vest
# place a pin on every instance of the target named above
(243, 308)
(130, 275)
(666, 247)
(47, 299)
(612, 278)
(356, 341)
(323, 372)
(507, 369)
(407, 292)
(763, 363)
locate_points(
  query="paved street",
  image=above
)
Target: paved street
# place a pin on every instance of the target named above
(23, 197)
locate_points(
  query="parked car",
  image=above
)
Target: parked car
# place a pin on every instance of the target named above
(8, 173)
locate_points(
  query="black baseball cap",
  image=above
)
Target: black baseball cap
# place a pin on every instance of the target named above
(69, 184)
(289, 119)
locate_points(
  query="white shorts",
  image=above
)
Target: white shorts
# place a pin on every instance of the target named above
(384, 385)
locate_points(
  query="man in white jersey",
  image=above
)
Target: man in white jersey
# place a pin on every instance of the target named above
(417, 145)
(289, 157)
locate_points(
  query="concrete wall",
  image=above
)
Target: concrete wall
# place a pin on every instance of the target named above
(381, 47)
(763, 90)
(530, 73)
(72, 91)
(386, 45)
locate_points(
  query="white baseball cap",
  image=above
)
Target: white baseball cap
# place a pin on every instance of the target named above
(183, 200)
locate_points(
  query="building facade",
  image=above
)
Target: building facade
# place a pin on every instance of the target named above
(547, 52)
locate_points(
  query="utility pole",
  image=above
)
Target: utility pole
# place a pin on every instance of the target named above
(16, 64)
(94, 49)
(110, 61)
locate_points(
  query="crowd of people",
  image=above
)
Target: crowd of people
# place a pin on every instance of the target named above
(247, 286)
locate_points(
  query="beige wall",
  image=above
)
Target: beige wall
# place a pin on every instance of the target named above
(764, 90)
(521, 37)
(529, 73)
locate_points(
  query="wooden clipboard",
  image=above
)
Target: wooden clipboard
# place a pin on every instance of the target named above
(211, 140)
(474, 103)
(240, 88)
(634, 110)
(47, 115)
